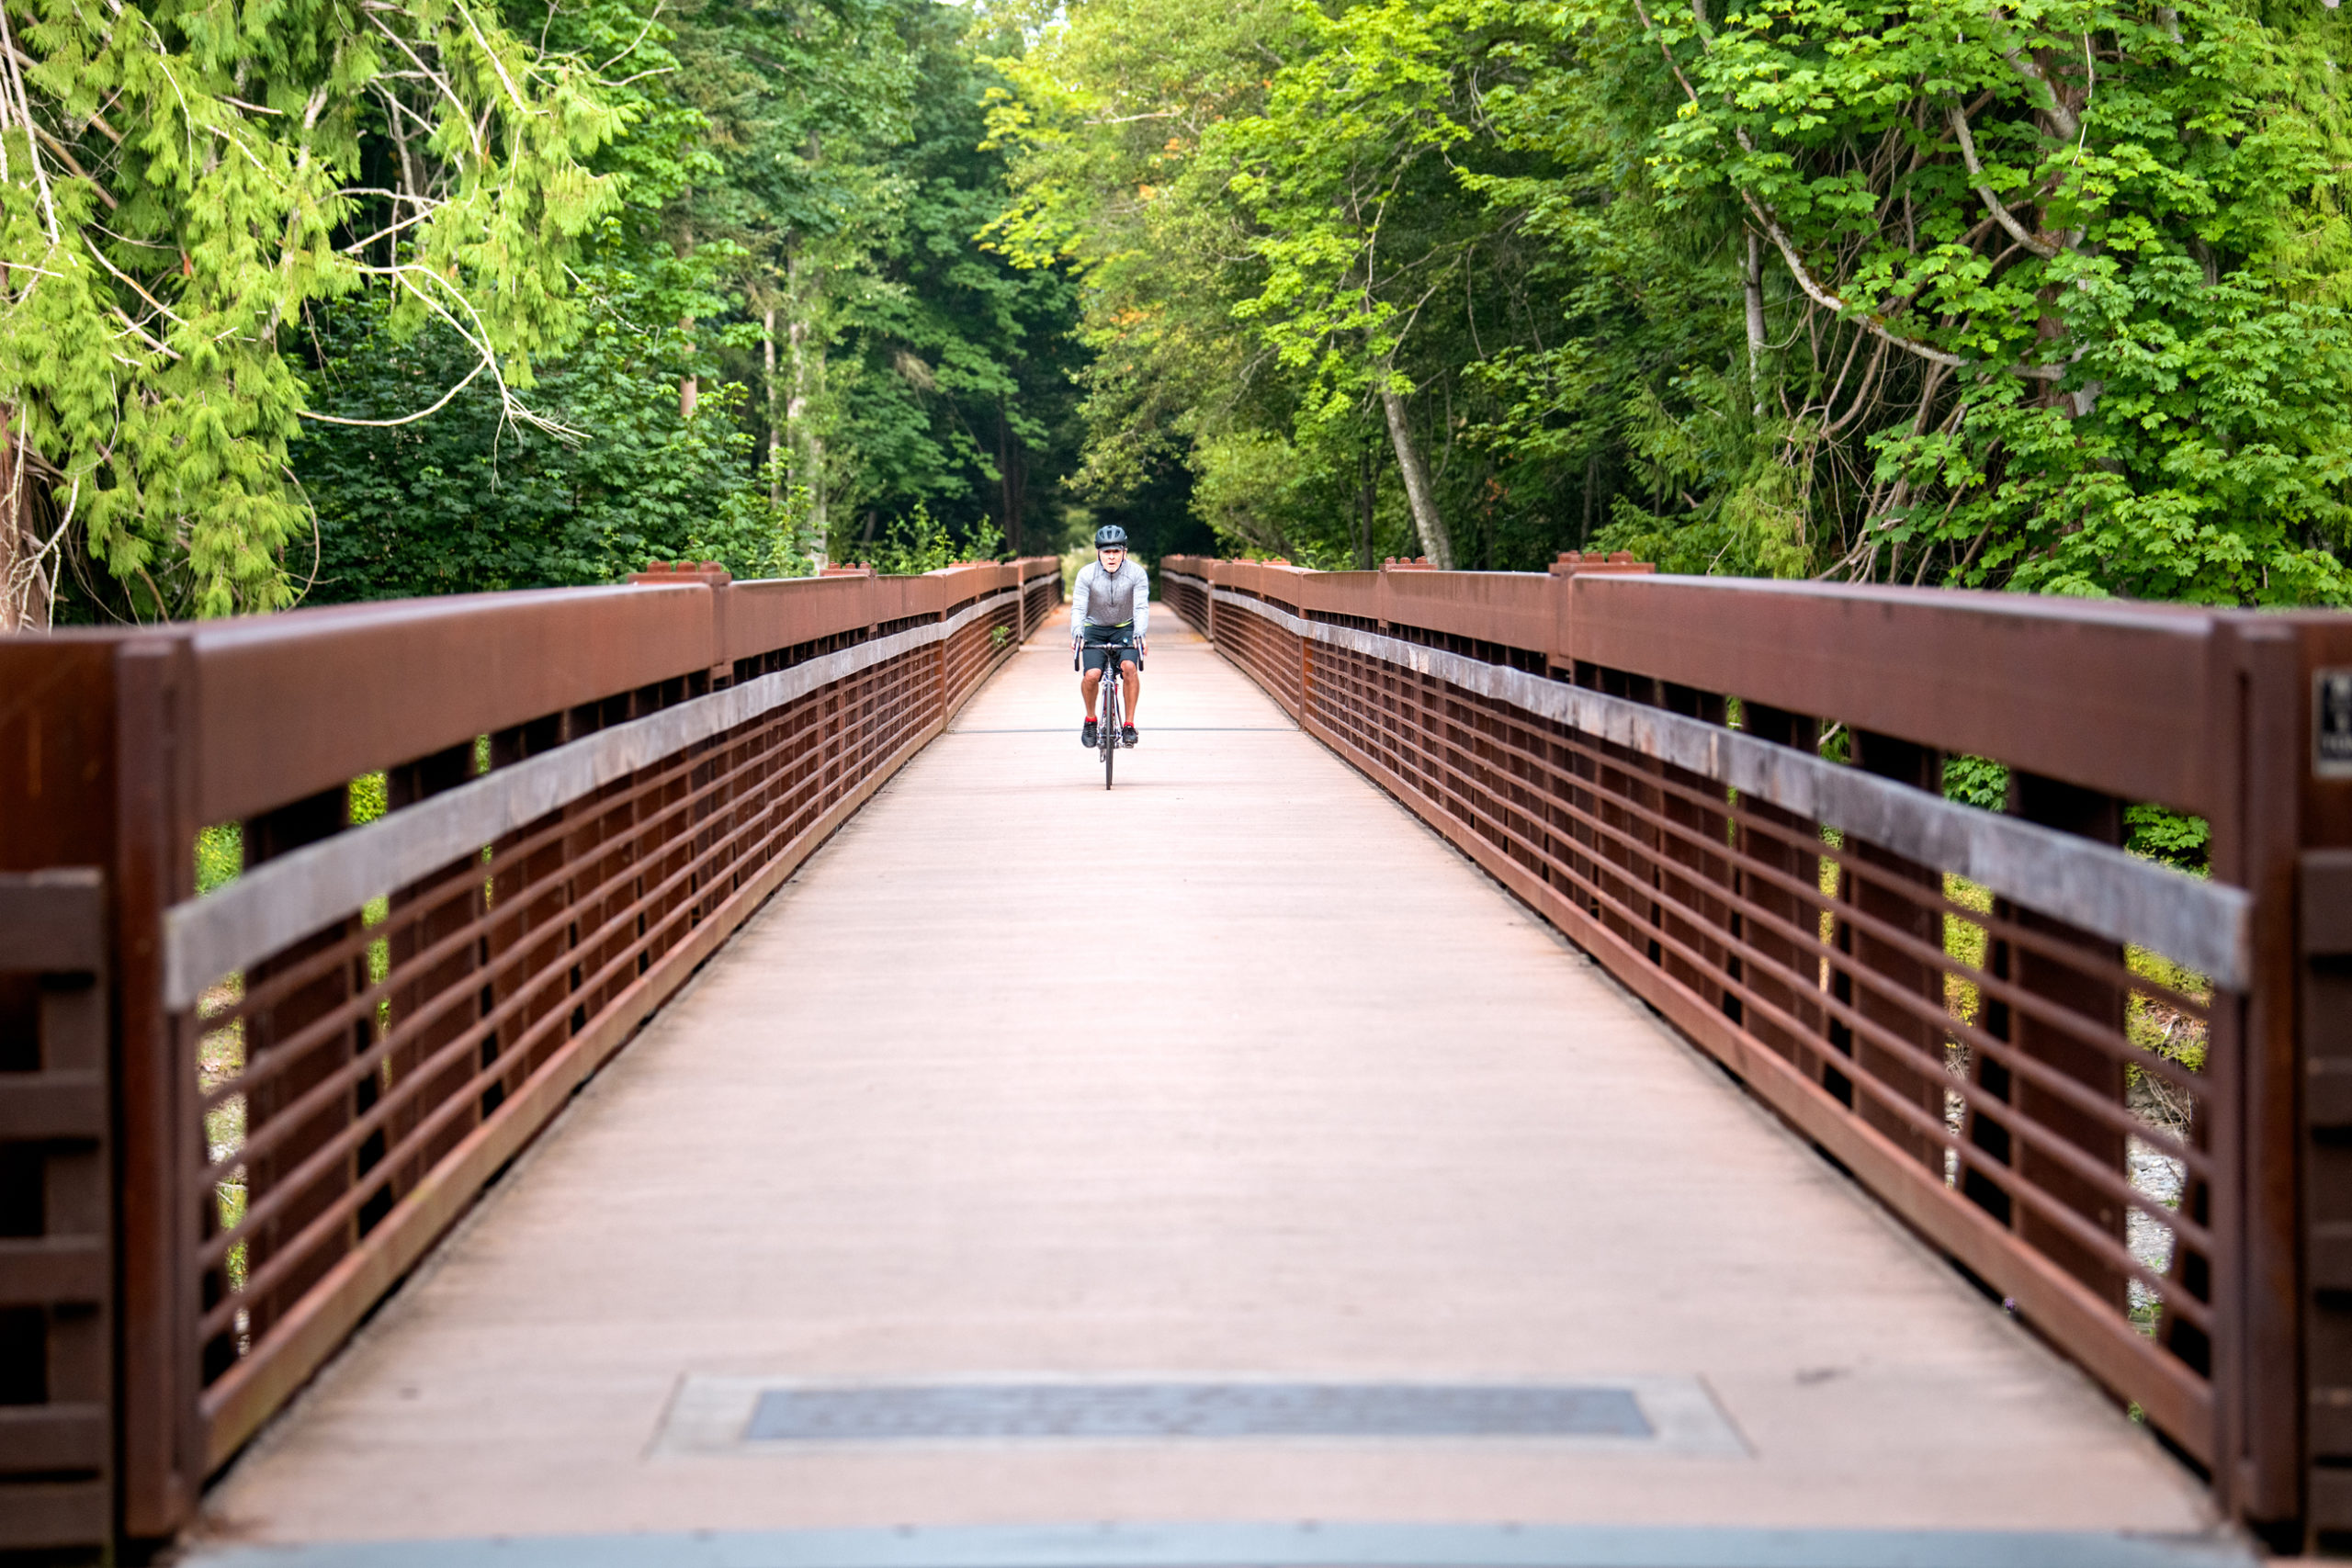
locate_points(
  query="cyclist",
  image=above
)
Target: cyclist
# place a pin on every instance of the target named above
(1111, 603)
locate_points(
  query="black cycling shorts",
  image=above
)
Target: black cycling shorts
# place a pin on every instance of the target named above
(1101, 642)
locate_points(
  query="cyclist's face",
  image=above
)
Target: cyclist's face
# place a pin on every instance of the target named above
(1111, 556)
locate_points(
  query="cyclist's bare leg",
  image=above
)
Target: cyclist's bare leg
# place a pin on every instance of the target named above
(1130, 692)
(1087, 685)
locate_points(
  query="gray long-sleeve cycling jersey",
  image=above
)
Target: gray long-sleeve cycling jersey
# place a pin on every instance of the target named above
(1103, 599)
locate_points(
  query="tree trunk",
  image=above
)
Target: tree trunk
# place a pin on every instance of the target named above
(15, 611)
(1008, 454)
(796, 407)
(1435, 542)
(689, 390)
(1369, 492)
(14, 546)
(815, 456)
(804, 449)
(776, 436)
(25, 588)
(807, 380)
(1752, 282)
(2050, 326)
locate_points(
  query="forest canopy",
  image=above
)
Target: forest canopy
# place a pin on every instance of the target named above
(326, 300)
(351, 299)
(2045, 296)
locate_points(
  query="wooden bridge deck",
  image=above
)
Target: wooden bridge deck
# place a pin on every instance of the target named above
(1233, 1074)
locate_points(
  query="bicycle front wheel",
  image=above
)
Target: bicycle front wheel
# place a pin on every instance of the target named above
(1110, 728)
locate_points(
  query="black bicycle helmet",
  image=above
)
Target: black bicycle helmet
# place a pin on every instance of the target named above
(1110, 534)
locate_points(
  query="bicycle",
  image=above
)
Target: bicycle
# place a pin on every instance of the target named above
(1107, 733)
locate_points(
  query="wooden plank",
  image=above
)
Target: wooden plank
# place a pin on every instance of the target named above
(51, 1438)
(40, 1107)
(53, 921)
(50, 1269)
(2325, 928)
(56, 1515)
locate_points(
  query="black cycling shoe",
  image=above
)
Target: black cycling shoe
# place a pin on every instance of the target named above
(1089, 736)
(1126, 734)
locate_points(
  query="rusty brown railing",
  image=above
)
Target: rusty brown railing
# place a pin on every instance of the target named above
(481, 838)
(1980, 1015)
(56, 1242)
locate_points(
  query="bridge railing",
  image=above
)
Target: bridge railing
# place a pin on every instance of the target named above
(2119, 1095)
(470, 844)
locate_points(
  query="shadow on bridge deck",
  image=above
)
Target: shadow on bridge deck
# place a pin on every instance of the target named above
(1234, 1074)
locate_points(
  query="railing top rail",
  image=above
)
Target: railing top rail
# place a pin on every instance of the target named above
(311, 622)
(2113, 697)
(2039, 606)
(2171, 619)
(2129, 699)
(292, 704)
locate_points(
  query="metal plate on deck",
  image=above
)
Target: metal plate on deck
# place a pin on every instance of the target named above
(1317, 1544)
(1193, 1410)
(1653, 1414)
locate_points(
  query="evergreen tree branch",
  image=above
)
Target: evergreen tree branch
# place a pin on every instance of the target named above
(443, 402)
(24, 108)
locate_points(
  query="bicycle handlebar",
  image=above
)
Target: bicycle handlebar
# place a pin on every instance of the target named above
(1078, 650)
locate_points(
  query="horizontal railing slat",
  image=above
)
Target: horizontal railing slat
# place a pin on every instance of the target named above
(41, 1270)
(52, 921)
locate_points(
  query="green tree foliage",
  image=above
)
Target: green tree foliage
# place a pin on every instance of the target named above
(468, 501)
(2045, 296)
(179, 181)
(962, 400)
(919, 542)
(362, 301)
(1105, 113)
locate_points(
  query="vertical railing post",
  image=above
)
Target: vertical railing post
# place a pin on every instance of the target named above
(163, 1438)
(938, 682)
(2258, 1374)
(2301, 801)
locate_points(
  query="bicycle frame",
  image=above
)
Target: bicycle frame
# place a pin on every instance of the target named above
(1110, 690)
